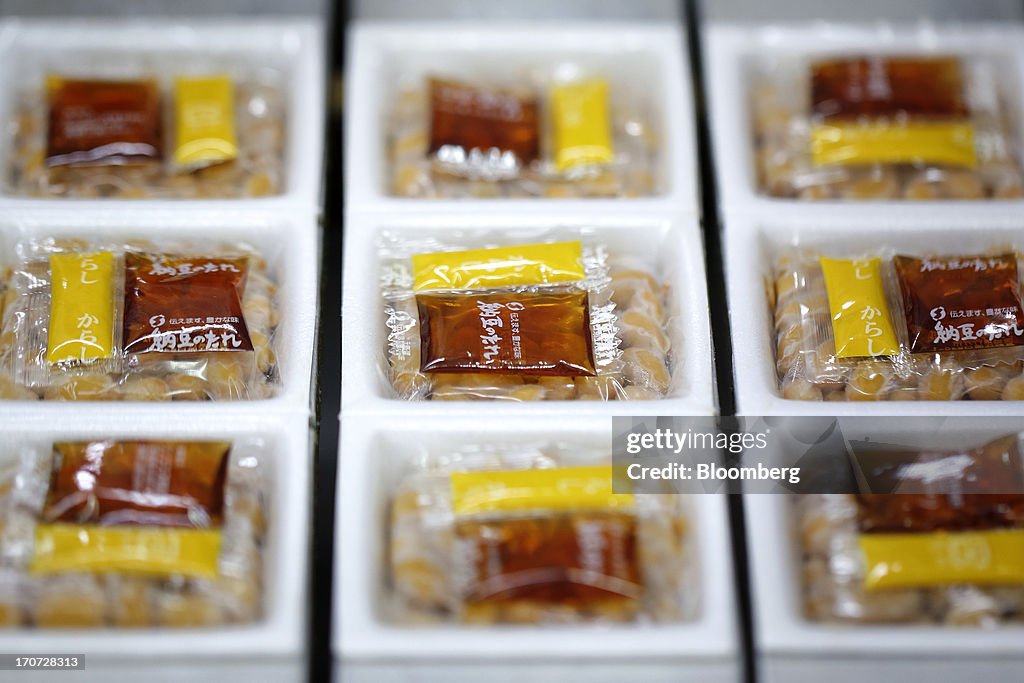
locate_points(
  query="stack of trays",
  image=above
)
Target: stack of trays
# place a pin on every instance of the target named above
(246, 213)
(391, 613)
(781, 195)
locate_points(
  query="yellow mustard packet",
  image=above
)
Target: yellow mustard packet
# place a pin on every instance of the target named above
(154, 551)
(923, 560)
(204, 121)
(568, 488)
(81, 326)
(524, 264)
(581, 125)
(861, 321)
(934, 142)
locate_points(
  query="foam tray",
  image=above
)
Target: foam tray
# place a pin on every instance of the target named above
(372, 454)
(235, 653)
(647, 54)
(291, 246)
(674, 246)
(730, 50)
(295, 46)
(751, 243)
(796, 650)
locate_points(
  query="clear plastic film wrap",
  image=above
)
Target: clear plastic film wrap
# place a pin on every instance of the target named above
(884, 326)
(556, 132)
(133, 534)
(549, 320)
(949, 549)
(98, 320)
(532, 534)
(155, 125)
(860, 126)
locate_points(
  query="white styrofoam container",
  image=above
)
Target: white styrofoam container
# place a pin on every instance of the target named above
(751, 244)
(285, 229)
(664, 229)
(731, 49)
(374, 451)
(379, 53)
(290, 244)
(295, 46)
(180, 668)
(236, 653)
(591, 669)
(794, 649)
(673, 246)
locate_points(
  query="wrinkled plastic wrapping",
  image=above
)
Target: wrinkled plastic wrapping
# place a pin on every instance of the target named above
(597, 334)
(95, 320)
(928, 327)
(858, 126)
(150, 125)
(148, 501)
(557, 132)
(531, 534)
(950, 549)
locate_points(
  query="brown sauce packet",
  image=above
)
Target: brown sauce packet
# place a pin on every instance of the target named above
(971, 489)
(577, 559)
(98, 122)
(919, 87)
(180, 304)
(490, 133)
(961, 303)
(523, 333)
(150, 483)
